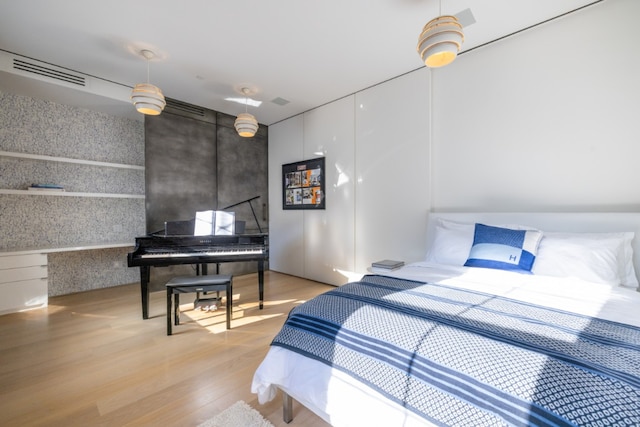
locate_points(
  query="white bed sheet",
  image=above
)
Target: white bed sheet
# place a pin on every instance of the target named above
(340, 401)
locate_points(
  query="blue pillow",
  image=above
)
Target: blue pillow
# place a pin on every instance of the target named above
(503, 248)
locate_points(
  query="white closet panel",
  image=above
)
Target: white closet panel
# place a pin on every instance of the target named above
(329, 233)
(392, 170)
(286, 239)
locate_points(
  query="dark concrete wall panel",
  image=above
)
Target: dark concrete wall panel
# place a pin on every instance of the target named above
(194, 165)
(181, 172)
(242, 174)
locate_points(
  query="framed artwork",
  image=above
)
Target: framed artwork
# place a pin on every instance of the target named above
(303, 184)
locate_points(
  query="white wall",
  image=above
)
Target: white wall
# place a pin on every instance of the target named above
(544, 120)
(534, 122)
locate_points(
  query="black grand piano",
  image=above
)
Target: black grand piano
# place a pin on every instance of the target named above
(161, 250)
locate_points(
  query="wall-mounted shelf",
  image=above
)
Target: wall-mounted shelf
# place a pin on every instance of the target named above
(82, 247)
(71, 194)
(68, 160)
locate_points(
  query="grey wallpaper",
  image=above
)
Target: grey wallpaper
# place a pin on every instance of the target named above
(33, 221)
(40, 127)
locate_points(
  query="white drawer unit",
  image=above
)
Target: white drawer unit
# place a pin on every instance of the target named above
(23, 282)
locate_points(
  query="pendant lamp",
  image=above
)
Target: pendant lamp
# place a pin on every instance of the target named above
(440, 41)
(147, 98)
(246, 125)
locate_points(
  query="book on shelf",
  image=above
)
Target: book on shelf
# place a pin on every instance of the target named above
(46, 187)
(387, 264)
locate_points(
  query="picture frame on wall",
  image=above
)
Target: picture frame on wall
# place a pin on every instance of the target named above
(303, 184)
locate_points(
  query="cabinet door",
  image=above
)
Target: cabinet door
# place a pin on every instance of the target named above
(23, 282)
(23, 273)
(328, 233)
(392, 170)
(286, 238)
(23, 295)
(19, 261)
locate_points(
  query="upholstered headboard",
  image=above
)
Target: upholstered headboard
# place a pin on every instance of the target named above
(593, 222)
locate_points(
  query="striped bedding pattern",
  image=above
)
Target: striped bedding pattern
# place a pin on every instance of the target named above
(465, 358)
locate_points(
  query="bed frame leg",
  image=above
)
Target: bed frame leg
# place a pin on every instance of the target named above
(287, 408)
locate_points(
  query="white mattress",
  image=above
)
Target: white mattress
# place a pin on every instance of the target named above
(340, 401)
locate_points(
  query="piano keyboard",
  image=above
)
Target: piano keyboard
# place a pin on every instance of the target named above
(220, 252)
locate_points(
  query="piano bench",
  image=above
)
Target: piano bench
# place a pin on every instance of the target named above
(196, 284)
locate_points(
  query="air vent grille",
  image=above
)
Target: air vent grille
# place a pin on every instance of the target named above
(185, 108)
(280, 101)
(51, 73)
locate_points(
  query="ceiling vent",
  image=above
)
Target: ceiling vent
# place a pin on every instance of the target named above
(38, 79)
(35, 77)
(185, 108)
(189, 110)
(48, 71)
(280, 101)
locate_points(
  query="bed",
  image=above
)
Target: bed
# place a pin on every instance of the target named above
(473, 334)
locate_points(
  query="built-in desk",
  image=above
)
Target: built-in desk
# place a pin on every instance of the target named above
(24, 277)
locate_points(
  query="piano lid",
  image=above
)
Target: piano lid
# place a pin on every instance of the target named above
(255, 217)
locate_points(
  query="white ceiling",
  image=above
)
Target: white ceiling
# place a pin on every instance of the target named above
(307, 52)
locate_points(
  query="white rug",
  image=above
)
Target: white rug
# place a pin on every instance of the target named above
(237, 415)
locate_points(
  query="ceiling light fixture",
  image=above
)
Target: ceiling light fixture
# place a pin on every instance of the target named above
(440, 40)
(246, 125)
(147, 98)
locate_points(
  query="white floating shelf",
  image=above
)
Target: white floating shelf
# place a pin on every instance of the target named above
(71, 194)
(68, 160)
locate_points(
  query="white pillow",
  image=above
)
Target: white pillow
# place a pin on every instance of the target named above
(451, 242)
(595, 257)
(600, 257)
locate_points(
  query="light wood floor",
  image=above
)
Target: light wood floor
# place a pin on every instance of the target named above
(90, 360)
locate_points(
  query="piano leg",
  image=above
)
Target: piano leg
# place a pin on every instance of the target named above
(261, 282)
(145, 272)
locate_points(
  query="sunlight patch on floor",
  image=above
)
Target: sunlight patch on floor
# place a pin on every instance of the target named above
(51, 309)
(218, 324)
(215, 321)
(96, 316)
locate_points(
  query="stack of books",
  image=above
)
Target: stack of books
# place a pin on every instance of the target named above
(46, 187)
(386, 265)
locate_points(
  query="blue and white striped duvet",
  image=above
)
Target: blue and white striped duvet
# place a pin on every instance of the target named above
(460, 357)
